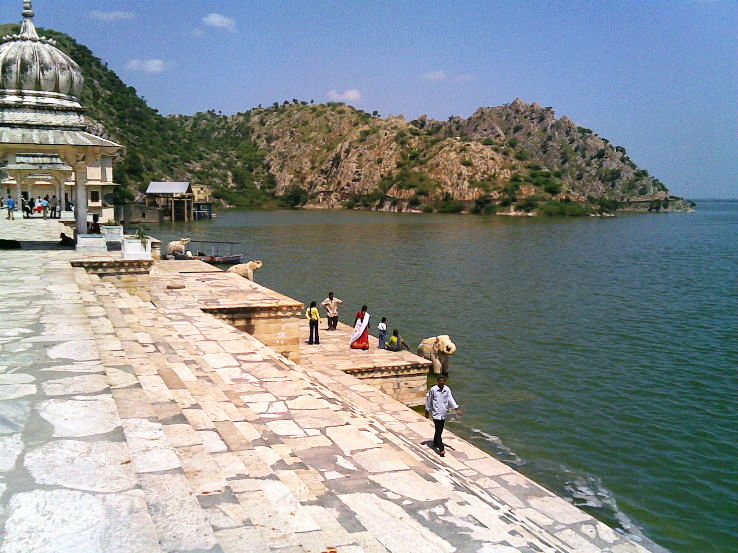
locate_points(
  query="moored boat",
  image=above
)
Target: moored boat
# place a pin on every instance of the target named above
(213, 259)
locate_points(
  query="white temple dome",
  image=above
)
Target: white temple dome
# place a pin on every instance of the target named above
(33, 64)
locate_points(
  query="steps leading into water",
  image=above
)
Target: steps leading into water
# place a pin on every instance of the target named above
(290, 456)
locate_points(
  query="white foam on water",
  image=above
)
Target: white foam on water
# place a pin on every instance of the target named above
(588, 491)
(582, 490)
(509, 456)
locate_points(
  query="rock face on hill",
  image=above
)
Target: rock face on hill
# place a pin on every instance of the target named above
(517, 158)
(513, 157)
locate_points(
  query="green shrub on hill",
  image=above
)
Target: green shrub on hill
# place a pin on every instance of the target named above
(450, 206)
(294, 196)
(410, 180)
(561, 209)
(607, 206)
(484, 206)
(527, 204)
(552, 188)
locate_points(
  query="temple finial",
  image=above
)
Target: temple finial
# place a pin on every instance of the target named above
(27, 9)
(28, 29)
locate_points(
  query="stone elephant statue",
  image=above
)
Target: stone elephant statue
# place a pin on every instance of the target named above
(437, 349)
(246, 270)
(178, 246)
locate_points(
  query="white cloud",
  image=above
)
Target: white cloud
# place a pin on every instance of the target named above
(438, 75)
(114, 15)
(350, 95)
(197, 31)
(463, 78)
(441, 76)
(219, 21)
(147, 66)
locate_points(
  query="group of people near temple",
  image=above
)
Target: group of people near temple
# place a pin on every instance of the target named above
(360, 337)
(46, 207)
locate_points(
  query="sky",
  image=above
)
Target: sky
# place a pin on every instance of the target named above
(658, 77)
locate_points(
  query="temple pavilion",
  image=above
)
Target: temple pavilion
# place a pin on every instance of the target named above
(45, 148)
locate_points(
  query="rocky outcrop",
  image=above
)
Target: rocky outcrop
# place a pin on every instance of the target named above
(513, 157)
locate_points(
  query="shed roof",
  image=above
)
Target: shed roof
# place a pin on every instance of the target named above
(158, 187)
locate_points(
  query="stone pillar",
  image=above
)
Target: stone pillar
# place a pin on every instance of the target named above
(59, 194)
(18, 194)
(80, 203)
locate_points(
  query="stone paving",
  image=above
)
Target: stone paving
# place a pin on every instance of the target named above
(400, 374)
(129, 428)
(334, 351)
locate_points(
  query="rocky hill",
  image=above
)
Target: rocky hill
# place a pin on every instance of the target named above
(517, 158)
(512, 158)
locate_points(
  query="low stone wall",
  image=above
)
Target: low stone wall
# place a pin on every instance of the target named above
(132, 275)
(406, 384)
(276, 327)
(401, 375)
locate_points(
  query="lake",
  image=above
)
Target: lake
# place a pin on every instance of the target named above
(596, 355)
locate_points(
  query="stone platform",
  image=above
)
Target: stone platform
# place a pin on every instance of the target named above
(269, 316)
(128, 426)
(399, 374)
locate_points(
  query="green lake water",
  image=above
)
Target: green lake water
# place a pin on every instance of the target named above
(596, 355)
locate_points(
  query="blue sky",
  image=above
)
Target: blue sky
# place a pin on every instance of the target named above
(658, 77)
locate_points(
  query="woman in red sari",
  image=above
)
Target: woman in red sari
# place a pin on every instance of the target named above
(360, 338)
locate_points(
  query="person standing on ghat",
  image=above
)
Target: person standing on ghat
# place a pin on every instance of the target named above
(53, 204)
(437, 402)
(331, 310)
(360, 337)
(313, 316)
(382, 327)
(10, 206)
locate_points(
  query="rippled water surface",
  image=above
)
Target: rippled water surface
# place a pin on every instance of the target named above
(598, 356)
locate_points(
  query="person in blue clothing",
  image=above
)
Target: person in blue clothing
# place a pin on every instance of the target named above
(10, 206)
(437, 402)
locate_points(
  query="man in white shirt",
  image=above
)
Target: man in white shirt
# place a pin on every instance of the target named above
(331, 310)
(437, 402)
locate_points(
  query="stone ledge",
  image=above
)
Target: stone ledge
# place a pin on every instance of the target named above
(252, 309)
(405, 370)
(114, 267)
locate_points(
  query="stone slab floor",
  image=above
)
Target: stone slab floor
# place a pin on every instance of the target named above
(334, 350)
(126, 428)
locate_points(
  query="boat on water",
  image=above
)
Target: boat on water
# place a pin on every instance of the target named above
(213, 259)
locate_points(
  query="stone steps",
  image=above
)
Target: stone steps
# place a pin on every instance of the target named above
(215, 453)
(144, 403)
(258, 453)
(293, 484)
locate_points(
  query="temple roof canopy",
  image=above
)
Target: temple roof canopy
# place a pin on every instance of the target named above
(53, 137)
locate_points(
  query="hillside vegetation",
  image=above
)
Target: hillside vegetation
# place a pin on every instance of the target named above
(517, 158)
